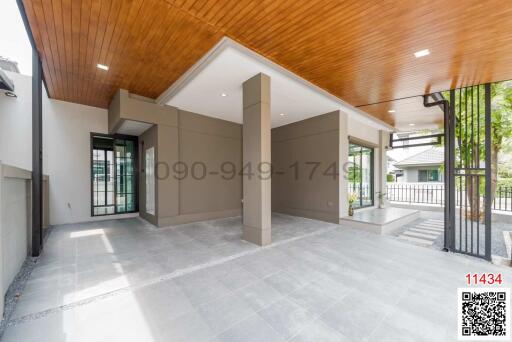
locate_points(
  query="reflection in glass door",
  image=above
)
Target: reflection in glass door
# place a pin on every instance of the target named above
(360, 175)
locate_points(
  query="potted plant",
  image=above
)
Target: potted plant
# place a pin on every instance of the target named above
(351, 199)
(382, 198)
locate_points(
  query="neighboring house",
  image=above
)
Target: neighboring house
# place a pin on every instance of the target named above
(8, 65)
(421, 167)
(392, 170)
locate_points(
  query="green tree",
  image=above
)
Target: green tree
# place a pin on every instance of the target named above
(501, 124)
(470, 135)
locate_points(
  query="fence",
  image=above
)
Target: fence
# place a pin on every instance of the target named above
(424, 193)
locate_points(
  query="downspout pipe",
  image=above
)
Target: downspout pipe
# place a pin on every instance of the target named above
(444, 104)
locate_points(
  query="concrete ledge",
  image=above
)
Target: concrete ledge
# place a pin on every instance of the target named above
(189, 218)
(380, 221)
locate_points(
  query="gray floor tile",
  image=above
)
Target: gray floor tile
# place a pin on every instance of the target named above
(252, 329)
(202, 291)
(285, 282)
(223, 313)
(187, 328)
(312, 298)
(259, 295)
(318, 331)
(286, 317)
(177, 284)
(357, 315)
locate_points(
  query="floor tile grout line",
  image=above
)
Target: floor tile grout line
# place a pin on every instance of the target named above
(172, 275)
(318, 317)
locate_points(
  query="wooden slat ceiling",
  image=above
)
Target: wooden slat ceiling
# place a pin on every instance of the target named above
(359, 51)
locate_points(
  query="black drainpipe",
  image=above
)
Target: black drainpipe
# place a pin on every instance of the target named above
(439, 100)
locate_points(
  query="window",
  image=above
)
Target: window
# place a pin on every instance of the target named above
(428, 175)
(113, 174)
(360, 175)
(150, 180)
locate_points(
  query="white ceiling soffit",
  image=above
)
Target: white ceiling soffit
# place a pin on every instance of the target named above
(224, 69)
(130, 127)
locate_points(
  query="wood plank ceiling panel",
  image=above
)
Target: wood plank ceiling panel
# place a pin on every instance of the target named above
(359, 51)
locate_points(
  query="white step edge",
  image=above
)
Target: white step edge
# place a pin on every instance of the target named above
(428, 227)
(425, 231)
(433, 224)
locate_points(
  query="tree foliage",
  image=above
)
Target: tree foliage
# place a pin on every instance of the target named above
(470, 133)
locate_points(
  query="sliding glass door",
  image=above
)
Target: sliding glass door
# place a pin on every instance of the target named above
(360, 175)
(125, 175)
(113, 174)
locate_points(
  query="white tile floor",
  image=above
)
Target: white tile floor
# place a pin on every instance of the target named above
(127, 281)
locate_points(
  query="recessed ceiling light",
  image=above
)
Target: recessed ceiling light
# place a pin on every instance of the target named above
(282, 114)
(422, 53)
(223, 94)
(102, 66)
(391, 111)
(411, 124)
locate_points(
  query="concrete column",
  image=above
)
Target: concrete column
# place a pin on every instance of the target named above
(382, 167)
(256, 152)
(343, 164)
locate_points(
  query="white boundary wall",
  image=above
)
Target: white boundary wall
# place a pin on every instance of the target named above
(66, 147)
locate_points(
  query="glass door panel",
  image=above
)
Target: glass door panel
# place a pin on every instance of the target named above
(360, 175)
(113, 169)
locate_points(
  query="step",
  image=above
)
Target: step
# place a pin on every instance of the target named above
(416, 240)
(437, 230)
(432, 225)
(425, 231)
(439, 224)
(429, 227)
(434, 222)
(419, 235)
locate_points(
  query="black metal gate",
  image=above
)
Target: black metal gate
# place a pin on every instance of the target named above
(468, 221)
(467, 143)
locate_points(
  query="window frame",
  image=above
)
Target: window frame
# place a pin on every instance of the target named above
(429, 173)
(135, 141)
(372, 173)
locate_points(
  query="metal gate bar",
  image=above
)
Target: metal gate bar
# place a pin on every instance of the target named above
(467, 173)
(465, 142)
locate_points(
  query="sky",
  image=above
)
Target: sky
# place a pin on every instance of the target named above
(14, 43)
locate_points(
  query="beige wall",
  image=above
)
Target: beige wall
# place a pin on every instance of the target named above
(125, 106)
(212, 142)
(196, 141)
(312, 140)
(168, 187)
(192, 138)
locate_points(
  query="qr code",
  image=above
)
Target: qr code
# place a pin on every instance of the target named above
(484, 314)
